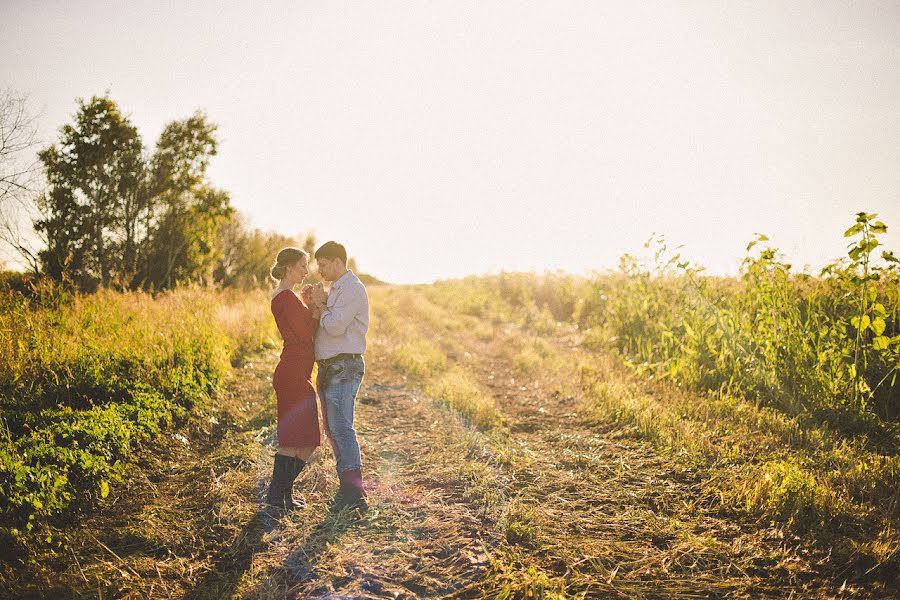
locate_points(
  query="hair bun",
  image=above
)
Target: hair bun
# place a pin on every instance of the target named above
(278, 272)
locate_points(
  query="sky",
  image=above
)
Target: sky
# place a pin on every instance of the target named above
(440, 139)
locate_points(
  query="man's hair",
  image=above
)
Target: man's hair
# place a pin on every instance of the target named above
(331, 250)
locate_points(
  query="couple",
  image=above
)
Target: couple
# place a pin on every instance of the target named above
(328, 328)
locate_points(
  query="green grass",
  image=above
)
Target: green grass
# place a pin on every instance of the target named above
(825, 347)
(774, 385)
(87, 381)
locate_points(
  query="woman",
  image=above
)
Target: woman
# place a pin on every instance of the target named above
(298, 418)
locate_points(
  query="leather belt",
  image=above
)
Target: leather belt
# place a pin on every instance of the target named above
(337, 357)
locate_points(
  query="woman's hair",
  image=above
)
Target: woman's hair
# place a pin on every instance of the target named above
(288, 257)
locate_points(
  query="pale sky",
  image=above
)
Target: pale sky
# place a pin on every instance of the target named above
(443, 139)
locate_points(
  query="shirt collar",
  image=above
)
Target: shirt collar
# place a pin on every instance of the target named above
(345, 278)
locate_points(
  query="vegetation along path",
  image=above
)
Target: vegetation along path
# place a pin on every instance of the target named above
(500, 463)
(188, 521)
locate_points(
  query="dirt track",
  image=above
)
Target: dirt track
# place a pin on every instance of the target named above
(548, 502)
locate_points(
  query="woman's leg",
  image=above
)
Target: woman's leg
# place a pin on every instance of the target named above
(298, 458)
(301, 453)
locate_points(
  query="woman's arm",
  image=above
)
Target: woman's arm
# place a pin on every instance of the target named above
(296, 317)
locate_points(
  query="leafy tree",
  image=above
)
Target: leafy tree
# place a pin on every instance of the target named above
(182, 247)
(115, 216)
(247, 254)
(186, 212)
(93, 173)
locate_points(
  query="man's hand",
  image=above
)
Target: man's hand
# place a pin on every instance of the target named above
(318, 295)
(306, 293)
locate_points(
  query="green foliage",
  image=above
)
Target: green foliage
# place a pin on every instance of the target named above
(87, 381)
(113, 217)
(93, 173)
(826, 346)
(787, 490)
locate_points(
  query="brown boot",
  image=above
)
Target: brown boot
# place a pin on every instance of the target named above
(351, 493)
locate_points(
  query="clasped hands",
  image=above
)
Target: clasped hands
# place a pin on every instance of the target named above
(314, 295)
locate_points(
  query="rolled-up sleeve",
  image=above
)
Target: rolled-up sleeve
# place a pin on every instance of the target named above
(338, 315)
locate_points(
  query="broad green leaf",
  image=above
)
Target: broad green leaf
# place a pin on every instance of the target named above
(888, 255)
(870, 245)
(881, 342)
(861, 323)
(879, 310)
(878, 227)
(104, 489)
(853, 230)
(878, 325)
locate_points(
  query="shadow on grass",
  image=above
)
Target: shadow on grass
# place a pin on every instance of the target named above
(232, 562)
(300, 564)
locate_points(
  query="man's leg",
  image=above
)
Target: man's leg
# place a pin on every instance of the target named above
(338, 386)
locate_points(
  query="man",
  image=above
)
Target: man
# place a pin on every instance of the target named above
(339, 346)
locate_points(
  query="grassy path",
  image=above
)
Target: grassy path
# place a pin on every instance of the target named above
(489, 476)
(600, 513)
(595, 510)
(188, 522)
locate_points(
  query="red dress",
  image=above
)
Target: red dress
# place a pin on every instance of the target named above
(298, 418)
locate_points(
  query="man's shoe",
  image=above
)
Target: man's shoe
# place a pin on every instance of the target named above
(351, 493)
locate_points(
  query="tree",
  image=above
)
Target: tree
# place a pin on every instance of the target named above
(93, 174)
(18, 174)
(114, 215)
(188, 210)
(183, 245)
(248, 254)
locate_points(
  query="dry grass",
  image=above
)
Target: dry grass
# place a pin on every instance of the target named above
(188, 521)
(659, 516)
(578, 482)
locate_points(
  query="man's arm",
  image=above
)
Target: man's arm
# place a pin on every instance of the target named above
(336, 318)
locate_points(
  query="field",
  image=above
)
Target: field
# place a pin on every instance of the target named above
(650, 433)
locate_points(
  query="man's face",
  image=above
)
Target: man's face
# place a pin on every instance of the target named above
(327, 268)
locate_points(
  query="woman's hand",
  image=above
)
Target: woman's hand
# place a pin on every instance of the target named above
(319, 297)
(306, 294)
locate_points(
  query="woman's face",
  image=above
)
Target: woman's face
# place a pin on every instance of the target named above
(300, 270)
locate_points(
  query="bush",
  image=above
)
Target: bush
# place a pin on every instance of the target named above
(87, 381)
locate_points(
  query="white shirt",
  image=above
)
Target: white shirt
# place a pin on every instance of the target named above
(345, 320)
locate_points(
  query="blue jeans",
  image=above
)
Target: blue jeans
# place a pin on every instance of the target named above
(338, 383)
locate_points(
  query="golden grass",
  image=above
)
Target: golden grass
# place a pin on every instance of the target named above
(757, 461)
